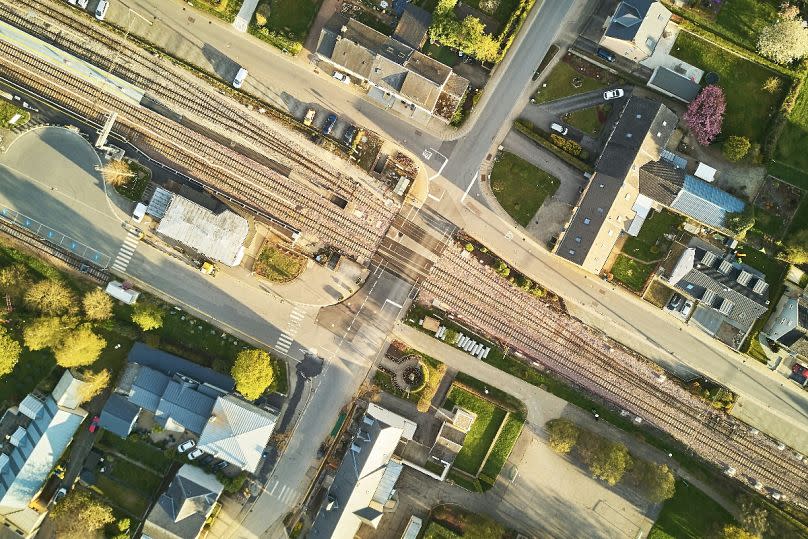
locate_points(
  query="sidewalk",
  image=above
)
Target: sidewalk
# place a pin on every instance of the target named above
(543, 406)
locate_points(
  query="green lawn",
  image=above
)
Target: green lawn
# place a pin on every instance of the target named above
(559, 83)
(121, 495)
(520, 187)
(442, 54)
(138, 450)
(384, 381)
(134, 476)
(690, 514)
(650, 244)
(278, 266)
(749, 108)
(742, 20)
(483, 430)
(503, 446)
(454, 521)
(502, 13)
(136, 184)
(8, 111)
(292, 17)
(631, 273)
(590, 120)
(774, 269)
(224, 9)
(790, 152)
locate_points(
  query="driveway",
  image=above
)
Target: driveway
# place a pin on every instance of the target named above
(556, 210)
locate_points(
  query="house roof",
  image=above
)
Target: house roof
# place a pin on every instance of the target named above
(661, 181)
(67, 392)
(705, 273)
(706, 203)
(170, 364)
(393, 419)
(627, 18)
(413, 26)
(182, 509)
(148, 387)
(789, 323)
(26, 466)
(119, 415)
(237, 432)
(363, 483)
(673, 83)
(219, 236)
(184, 404)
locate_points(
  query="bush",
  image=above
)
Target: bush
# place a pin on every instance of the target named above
(469, 248)
(279, 40)
(148, 315)
(735, 148)
(563, 435)
(569, 146)
(526, 128)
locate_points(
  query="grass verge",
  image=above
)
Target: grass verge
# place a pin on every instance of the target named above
(483, 430)
(690, 514)
(520, 187)
(631, 273)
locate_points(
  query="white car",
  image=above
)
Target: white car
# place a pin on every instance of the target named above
(687, 308)
(83, 3)
(613, 94)
(101, 9)
(342, 77)
(239, 79)
(558, 128)
(196, 453)
(185, 446)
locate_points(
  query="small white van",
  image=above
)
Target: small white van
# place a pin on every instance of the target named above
(240, 76)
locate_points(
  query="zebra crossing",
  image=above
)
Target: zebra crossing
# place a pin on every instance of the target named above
(283, 493)
(286, 338)
(125, 252)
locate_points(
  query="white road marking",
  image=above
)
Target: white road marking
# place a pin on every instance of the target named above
(400, 306)
(474, 179)
(274, 487)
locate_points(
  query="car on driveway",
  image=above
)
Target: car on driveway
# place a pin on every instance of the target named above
(349, 135)
(61, 493)
(309, 118)
(94, 424)
(219, 465)
(687, 308)
(342, 77)
(195, 454)
(328, 125)
(606, 54)
(101, 10)
(185, 446)
(558, 128)
(675, 302)
(617, 93)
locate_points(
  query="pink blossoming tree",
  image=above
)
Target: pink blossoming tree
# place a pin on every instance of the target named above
(705, 114)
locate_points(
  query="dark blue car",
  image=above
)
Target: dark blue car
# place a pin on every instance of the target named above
(606, 54)
(329, 123)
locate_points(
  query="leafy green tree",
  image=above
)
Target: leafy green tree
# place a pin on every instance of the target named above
(731, 531)
(563, 435)
(50, 297)
(735, 148)
(785, 40)
(754, 517)
(253, 373)
(148, 315)
(80, 347)
(80, 514)
(606, 460)
(97, 305)
(796, 247)
(94, 384)
(741, 222)
(656, 481)
(15, 280)
(9, 352)
(43, 332)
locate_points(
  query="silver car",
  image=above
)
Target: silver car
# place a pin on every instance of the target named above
(558, 128)
(101, 10)
(613, 94)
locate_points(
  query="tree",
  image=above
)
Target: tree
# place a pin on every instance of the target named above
(97, 305)
(80, 347)
(741, 222)
(80, 515)
(9, 352)
(753, 518)
(563, 435)
(731, 531)
(736, 148)
(705, 114)
(796, 247)
(253, 373)
(94, 384)
(14, 281)
(606, 460)
(43, 332)
(785, 40)
(148, 315)
(117, 172)
(51, 297)
(656, 481)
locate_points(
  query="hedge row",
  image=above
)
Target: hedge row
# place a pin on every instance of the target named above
(527, 129)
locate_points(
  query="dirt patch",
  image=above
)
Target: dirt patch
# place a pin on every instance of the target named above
(779, 198)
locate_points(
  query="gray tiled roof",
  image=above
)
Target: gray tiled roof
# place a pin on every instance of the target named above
(182, 509)
(170, 364)
(148, 388)
(413, 26)
(118, 415)
(675, 84)
(661, 181)
(627, 18)
(185, 405)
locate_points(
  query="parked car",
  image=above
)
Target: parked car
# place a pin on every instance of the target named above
(239, 78)
(687, 308)
(558, 128)
(83, 3)
(309, 118)
(606, 54)
(185, 446)
(94, 424)
(195, 454)
(675, 301)
(348, 135)
(219, 465)
(328, 126)
(207, 458)
(617, 93)
(101, 9)
(61, 493)
(342, 77)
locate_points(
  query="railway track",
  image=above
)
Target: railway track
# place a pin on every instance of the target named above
(164, 82)
(254, 186)
(579, 354)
